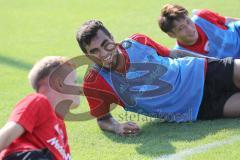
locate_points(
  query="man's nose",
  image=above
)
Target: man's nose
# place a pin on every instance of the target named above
(103, 53)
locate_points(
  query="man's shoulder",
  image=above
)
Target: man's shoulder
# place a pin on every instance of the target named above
(202, 12)
(29, 107)
(212, 17)
(34, 98)
(208, 14)
(91, 75)
(93, 79)
(139, 37)
(33, 102)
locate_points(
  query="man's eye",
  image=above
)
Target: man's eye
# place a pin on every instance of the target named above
(95, 51)
(110, 46)
(181, 28)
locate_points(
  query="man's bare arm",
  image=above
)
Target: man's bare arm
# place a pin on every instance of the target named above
(175, 53)
(9, 132)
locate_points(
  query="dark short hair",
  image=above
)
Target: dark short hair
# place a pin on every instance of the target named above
(169, 14)
(88, 31)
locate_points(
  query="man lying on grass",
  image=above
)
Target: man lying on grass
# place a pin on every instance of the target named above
(35, 130)
(206, 32)
(139, 75)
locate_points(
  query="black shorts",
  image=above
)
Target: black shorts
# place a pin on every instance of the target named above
(43, 154)
(218, 88)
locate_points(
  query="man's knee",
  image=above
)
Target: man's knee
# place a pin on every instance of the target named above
(232, 106)
(236, 72)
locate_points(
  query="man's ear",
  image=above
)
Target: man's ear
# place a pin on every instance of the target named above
(171, 34)
(42, 84)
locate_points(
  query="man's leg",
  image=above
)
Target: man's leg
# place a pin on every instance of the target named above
(232, 106)
(236, 73)
(222, 90)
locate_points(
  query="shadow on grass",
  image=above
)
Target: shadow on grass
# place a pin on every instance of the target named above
(15, 63)
(156, 138)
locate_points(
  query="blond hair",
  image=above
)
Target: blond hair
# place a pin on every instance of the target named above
(43, 68)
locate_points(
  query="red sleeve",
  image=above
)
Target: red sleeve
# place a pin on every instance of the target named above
(30, 112)
(99, 94)
(212, 17)
(161, 50)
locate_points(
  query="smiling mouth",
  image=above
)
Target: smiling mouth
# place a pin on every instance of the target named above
(107, 58)
(107, 61)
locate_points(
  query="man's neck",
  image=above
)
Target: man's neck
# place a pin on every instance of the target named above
(121, 63)
(190, 43)
(51, 97)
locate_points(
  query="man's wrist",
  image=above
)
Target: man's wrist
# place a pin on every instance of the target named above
(116, 127)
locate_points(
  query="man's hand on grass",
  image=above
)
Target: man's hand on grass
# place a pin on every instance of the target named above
(127, 129)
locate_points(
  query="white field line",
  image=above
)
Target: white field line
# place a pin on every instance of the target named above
(199, 149)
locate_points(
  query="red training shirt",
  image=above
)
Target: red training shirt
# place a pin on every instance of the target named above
(43, 128)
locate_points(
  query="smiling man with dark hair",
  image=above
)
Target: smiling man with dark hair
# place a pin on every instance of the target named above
(139, 75)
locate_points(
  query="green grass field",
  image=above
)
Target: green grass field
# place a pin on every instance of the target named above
(30, 30)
